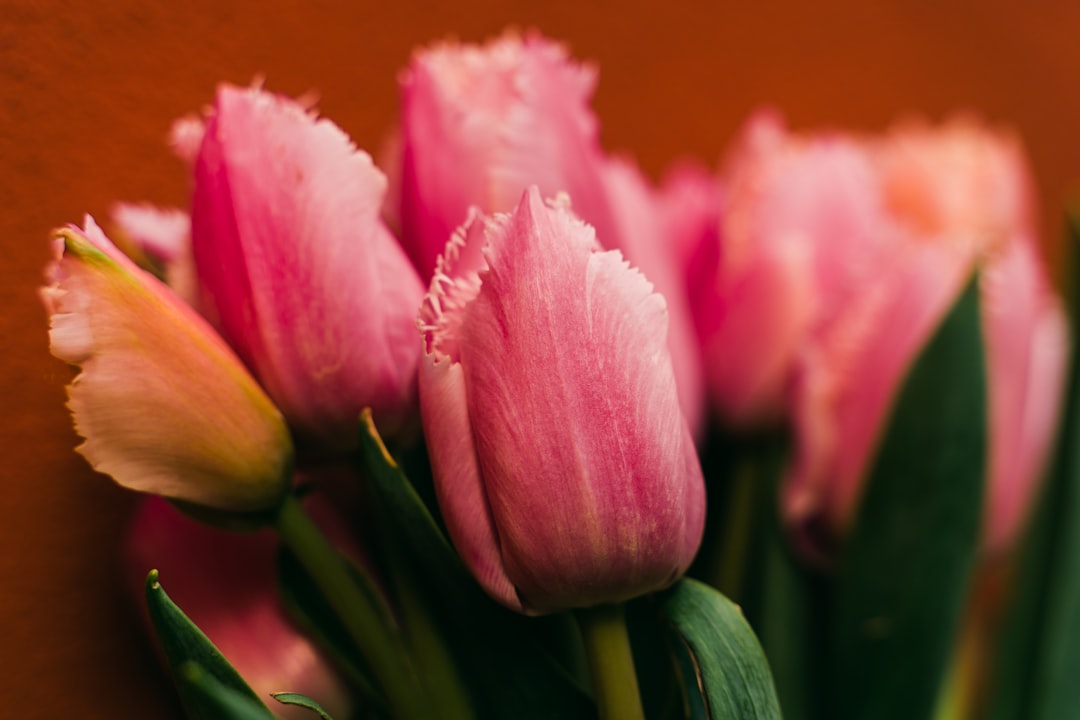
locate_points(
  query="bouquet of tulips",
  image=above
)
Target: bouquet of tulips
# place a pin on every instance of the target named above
(504, 430)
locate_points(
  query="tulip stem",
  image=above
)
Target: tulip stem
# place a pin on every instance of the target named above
(728, 575)
(611, 662)
(366, 623)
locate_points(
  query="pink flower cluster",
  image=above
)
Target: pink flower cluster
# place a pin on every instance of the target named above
(830, 261)
(576, 319)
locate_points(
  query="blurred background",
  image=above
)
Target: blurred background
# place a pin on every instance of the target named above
(87, 93)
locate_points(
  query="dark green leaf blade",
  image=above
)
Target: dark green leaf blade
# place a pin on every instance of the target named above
(906, 573)
(288, 698)
(218, 700)
(729, 667)
(186, 646)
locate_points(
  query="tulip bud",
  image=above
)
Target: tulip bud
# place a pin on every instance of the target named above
(967, 185)
(481, 124)
(564, 467)
(297, 268)
(164, 405)
(800, 222)
(956, 199)
(227, 584)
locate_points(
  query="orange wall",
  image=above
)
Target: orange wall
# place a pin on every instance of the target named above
(87, 91)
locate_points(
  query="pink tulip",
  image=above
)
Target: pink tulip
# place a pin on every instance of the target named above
(164, 405)
(957, 197)
(481, 124)
(800, 224)
(297, 268)
(968, 185)
(563, 465)
(227, 584)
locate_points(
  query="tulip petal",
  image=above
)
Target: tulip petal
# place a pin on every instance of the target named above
(610, 503)
(165, 236)
(307, 283)
(850, 373)
(1027, 343)
(164, 405)
(801, 228)
(480, 124)
(641, 236)
(445, 411)
(186, 136)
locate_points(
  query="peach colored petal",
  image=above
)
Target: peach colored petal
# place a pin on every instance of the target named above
(164, 405)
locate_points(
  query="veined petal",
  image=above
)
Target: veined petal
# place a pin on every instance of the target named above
(164, 405)
(307, 283)
(445, 411)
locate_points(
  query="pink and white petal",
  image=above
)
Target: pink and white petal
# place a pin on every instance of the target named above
(164, 235)
(640, 234)
(1027, 343)
(483, 123)
(860, 360)
(752, 332)
(186, 136)
(448, 432)
(310, 287)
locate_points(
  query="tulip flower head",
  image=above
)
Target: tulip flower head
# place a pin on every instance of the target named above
(564, 467)
(800, 221)
(164, 405)
(297, 268)
(956, 198)
(480, 124)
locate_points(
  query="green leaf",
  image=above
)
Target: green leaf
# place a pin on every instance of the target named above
(186, 646)
(496, 653)
(793, 603)
(288, 698)
(1038, 655)
(723, 666)
(218, 700)
(905, 576)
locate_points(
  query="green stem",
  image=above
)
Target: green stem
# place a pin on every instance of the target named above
(366, 624)
(611, 663)
(727, 575)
